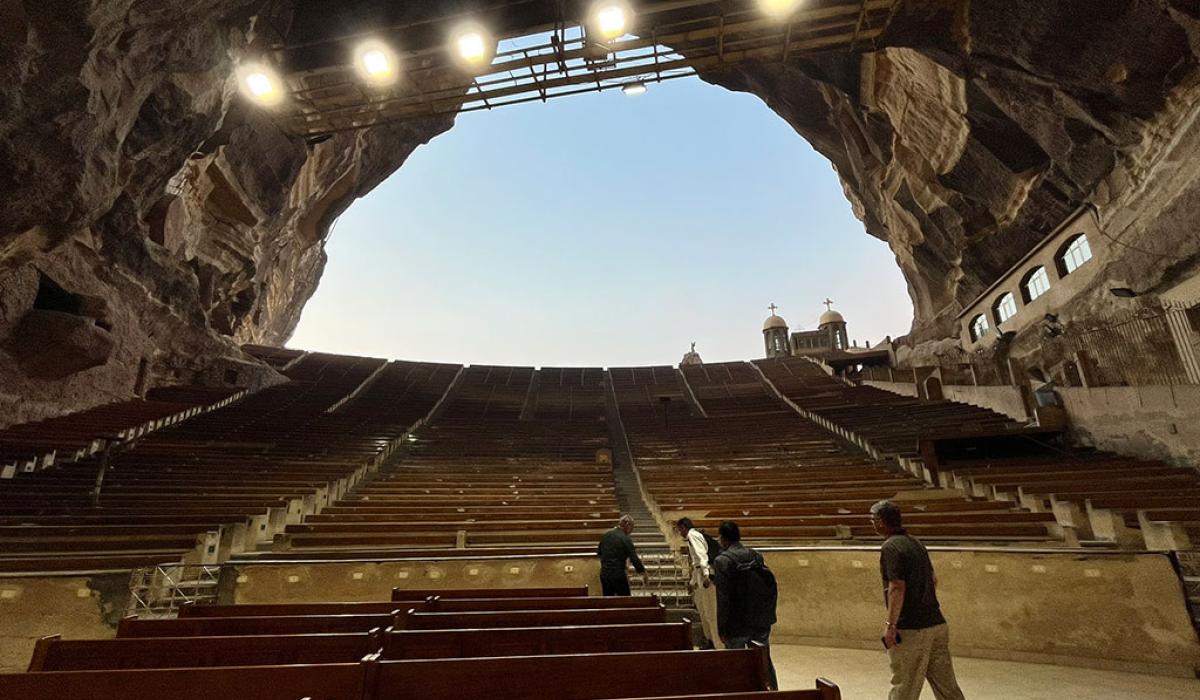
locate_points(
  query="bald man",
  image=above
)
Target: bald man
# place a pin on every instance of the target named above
(616, 548)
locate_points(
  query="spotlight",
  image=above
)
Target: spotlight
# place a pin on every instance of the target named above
(778, 8)
(260, 83)
(610, 18)
(376, 63)
(634, 89)
(472, 46)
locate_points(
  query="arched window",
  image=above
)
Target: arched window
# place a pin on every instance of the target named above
(1005, 307)
(1073, 254)
(1035, 284)
(979, 327)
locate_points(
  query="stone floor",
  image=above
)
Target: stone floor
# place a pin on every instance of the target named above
(864, 675)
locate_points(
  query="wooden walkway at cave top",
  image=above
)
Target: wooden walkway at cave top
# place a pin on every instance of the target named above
(667, 40)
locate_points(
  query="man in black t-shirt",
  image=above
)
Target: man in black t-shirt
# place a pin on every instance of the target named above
(915, 633)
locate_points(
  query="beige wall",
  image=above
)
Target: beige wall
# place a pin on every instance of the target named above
(77, 607)
(351, 581)
(1062, 289)
(1153, 422)
(902, 388)
(1108, 611)
(1001, 399)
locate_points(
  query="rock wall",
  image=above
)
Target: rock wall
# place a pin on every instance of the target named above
(151, 220)
(983, 124)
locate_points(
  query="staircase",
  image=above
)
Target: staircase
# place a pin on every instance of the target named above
(666, 577)
(666, 574)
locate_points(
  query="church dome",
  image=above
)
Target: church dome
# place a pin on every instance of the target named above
(774, 321)
(830, 316)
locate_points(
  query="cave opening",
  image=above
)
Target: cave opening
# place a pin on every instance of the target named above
(52, 297)
(595, 231)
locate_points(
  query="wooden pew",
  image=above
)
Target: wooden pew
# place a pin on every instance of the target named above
(56, 654)
(572, 676)
(439, 604)
(317, 682)
(423, 593)
(825, 690)
(414, 620)
(131, 627)
(533, 641)
(432, 604)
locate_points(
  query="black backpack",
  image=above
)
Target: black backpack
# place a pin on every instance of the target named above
(740, 579)
(714, 547)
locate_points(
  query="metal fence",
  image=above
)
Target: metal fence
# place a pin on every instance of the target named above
(1153, 346)
(1133, 351)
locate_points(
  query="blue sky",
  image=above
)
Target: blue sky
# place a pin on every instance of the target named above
(602, 230)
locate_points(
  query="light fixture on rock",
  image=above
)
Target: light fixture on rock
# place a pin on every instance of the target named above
(377, 64)
(260, 83)
(778, 8)
(610, 19)
(472, 46)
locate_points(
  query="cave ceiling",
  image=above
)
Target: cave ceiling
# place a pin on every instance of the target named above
(186, 220)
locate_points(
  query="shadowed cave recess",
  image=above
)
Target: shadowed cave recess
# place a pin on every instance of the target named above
(154, 220)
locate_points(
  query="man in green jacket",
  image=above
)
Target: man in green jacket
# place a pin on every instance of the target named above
(615, 549)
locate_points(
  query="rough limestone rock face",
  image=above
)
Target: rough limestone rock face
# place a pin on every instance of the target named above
(980, 126)
(134, 175)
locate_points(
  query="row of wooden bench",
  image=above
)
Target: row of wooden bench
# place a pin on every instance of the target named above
(784, 478)
(221, 483)
(596, 654)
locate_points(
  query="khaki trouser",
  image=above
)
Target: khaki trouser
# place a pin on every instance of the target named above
(706, 604)
(923, 655)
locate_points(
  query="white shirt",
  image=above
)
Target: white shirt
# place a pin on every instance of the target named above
(698, 548)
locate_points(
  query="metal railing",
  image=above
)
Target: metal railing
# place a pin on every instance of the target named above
(159, 591)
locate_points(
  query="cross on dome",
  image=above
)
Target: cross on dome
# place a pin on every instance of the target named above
(828, 303)
(773, 308)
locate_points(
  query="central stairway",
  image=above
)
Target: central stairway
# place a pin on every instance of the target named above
(666, 576)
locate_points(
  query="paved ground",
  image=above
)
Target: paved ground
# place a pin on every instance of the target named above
(864, 675)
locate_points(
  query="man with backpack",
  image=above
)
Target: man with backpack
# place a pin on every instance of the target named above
(703, 550)
(746, 594)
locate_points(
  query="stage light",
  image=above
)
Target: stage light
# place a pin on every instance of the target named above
(634, 89)
(778, 8)
(472, 46)
(376, 63)
(610, 18)
(260, 83)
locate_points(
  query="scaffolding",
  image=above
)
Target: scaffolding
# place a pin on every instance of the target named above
(535, 62)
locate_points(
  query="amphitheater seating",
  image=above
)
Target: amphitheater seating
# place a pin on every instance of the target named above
(478, 477)
(636, 660)
(891, 424)
(785, 479)
(1096, 495)
(221, 482)
(1126, 501)
(32, 446)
